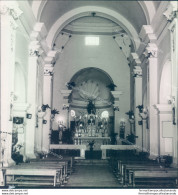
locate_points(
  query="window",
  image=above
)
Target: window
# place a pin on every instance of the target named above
(91, 40)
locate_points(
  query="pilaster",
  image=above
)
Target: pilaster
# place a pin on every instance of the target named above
(152, 91)
(47, 95)
(173, 27)
(10, 13)
(137, 74)
(117, 115)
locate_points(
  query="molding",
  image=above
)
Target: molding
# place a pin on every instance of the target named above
(66, 93)
(135, 59)
(146, 34)
(116, 94)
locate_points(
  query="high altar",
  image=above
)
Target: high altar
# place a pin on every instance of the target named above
(91, 127)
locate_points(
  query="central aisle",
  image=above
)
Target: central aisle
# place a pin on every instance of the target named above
(92, 175)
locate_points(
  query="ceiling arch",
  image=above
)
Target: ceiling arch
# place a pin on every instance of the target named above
(148, 7)
(85, 11)
(60, 15)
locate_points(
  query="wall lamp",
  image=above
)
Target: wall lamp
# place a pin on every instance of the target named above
(29, 116)
(44, 121)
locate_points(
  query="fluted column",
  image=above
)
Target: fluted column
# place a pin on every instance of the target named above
(10, 12)
(47, 95)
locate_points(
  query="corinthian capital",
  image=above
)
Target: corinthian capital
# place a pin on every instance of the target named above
(11, 8)
(137, 71)
(171, 11)
(151, 51)
(35, 49)
(48, 70)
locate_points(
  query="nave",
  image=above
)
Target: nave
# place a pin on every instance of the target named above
(124, 169)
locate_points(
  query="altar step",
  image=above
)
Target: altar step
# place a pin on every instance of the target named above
(90, 162)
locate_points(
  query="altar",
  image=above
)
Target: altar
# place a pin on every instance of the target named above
(98, 141)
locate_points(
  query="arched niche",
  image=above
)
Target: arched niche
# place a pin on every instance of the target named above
(19, 83)
(91, 84)
(165, 83)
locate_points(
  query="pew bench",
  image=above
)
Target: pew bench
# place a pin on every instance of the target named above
(121, 164)
(59, 168)
(12, 176)
(156, 177)
(52, 164)
(128, 169)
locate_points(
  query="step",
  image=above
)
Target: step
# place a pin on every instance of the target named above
(88, 162)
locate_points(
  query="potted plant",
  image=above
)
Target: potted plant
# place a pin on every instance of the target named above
(130, 114)
(44, 107)
(112, 86)
(70, 85)
(54, 112)
(140, 108)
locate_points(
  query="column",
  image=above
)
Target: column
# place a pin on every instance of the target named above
(171, 15)
(152, 87)
(47, 95)
(137, 72)
(9, 14)
(117, 115)
(32, 99)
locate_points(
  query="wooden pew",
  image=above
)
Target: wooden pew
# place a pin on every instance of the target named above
(120, 164)
(58, 167)
(129, 168)
(153, 176)
(53, 164)
(11, 175)
(68, 160)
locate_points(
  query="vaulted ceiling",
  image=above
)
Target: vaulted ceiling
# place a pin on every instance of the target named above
(131, 10)
(124, 15)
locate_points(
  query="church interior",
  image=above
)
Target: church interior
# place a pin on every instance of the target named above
(89, 94)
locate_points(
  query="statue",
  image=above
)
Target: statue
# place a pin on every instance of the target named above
(91, 108)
